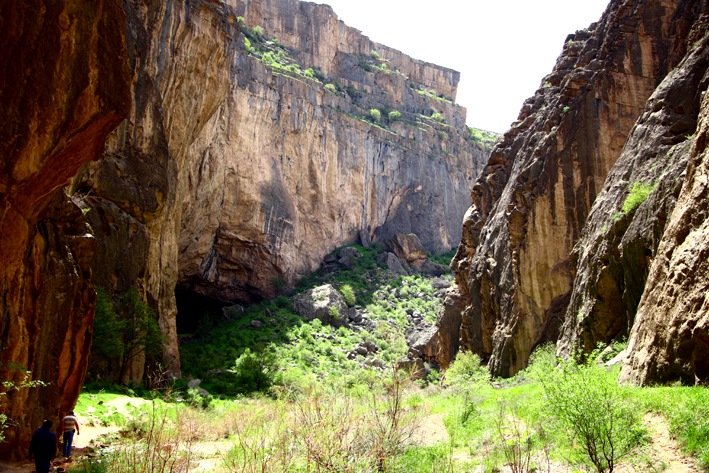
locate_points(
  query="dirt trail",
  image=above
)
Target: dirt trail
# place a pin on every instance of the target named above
(665, 450)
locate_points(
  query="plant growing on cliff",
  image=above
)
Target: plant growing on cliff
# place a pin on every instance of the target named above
(331, 87)
(394, 115)
(8, 387)
(375, 114)
(638, 194)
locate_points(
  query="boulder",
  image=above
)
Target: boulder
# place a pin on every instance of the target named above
(324, 303)
(408, 247)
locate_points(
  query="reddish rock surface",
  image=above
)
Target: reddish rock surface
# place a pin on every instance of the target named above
(63, 87)
(532, 200)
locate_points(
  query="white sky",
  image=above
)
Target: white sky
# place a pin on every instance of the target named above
(502, 48)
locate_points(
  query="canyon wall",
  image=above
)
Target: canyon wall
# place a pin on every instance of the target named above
(64, 86)
(235, 175)
(515, 268)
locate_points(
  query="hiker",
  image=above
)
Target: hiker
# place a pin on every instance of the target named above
(69, 425)
(43, 447)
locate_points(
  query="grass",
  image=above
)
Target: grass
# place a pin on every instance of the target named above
(639, 192)
(324, 409)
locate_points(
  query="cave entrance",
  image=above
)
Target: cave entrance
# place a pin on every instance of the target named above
(196, 314)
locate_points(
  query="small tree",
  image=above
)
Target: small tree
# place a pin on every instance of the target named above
(589, 403)
(394, 115)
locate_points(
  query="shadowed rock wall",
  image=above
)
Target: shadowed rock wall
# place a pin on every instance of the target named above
(532, 200)
(64, 86)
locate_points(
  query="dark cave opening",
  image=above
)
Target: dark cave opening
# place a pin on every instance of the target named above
(196, 313)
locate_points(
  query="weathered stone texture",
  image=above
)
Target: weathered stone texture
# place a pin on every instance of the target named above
(531, 201)
(670, 337)
(614, 254)
(234, 179)
(63, 87)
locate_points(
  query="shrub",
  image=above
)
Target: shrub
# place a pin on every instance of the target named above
(254, 371)
(348, 294)
(394, 115)
(309, 73)
(587, 402)
(466, 370)
(438, 117)
(257, 31)
(638, 194)
(331, 87)
(375, 114)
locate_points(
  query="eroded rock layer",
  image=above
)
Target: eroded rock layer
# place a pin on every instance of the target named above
(669, 340)
(628, 219)
(254, 149)
(63, 87)
(532, 200)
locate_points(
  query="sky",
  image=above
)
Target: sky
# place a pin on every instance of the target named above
(502, 48)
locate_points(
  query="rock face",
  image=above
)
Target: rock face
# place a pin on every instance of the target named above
(619, 242)
(670, 338)
(235, 175)
(514, 268)
(64, 88)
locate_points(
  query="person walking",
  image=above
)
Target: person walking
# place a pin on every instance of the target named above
(69, 425)
(43, 447)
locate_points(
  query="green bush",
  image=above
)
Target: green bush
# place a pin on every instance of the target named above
(466, 370)
(638, 194)
(331, 87)
(375, 114)
(437, 116)
(587, 402)
(254, 371)
(348, 294)
(394, 115)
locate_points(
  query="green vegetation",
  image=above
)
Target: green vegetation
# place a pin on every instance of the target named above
(286, 394)
(486, 139)
(394, 115)
(331, 87)
(585, 401)
(375, 114)
(437, 116)
(432, 94)
(125, 328)
(8, 387)
(638, 194)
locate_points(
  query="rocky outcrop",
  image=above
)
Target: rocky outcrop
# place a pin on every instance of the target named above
(628, 219)
(532, 200)
(64, 88)
(670, 337)
(237, 171)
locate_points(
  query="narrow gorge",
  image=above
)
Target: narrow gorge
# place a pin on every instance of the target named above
(227, 150)
(251, 139)
(575, 200)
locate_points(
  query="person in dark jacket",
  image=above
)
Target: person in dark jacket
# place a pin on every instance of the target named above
(43, 447)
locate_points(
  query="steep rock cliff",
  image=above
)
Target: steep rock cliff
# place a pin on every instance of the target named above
(670, 337)
(628, 219)
(236, 175)
(532, 199)
(64, 87)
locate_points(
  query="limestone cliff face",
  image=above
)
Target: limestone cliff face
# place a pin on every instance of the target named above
(670, 337)
(64, 86)
(532, 200)
(233, 177)
(619, 243)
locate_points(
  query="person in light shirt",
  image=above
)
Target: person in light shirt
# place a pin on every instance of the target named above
(69, 425)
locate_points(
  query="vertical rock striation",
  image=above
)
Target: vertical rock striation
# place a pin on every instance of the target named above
(235, 176)
(669, 340)
(64, 88)
(532, 199)
(619, 241)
